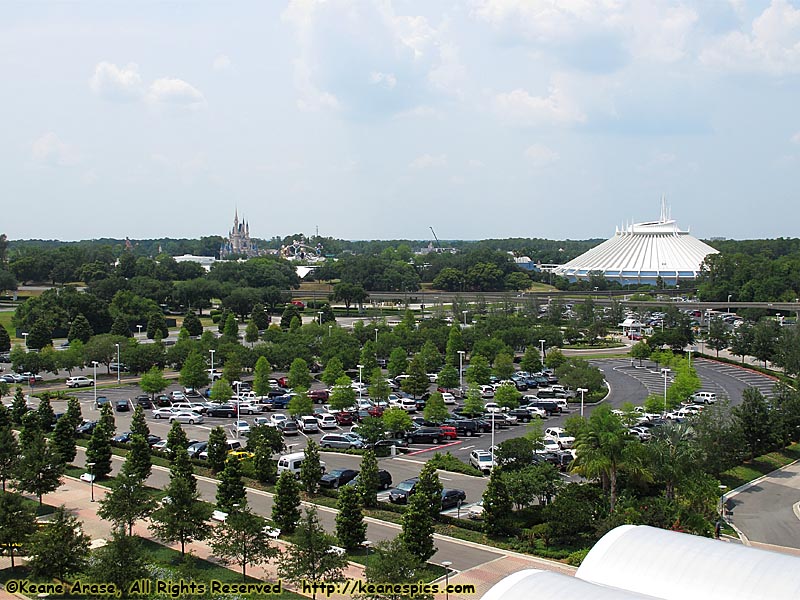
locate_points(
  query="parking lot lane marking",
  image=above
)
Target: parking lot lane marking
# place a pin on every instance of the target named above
(204, 427)
(417, 462)
(467, 447)
(445, 478)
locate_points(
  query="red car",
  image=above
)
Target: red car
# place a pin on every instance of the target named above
(343, 418)
(448, 432)
(319, 395)
(299, 304)
(375, 411)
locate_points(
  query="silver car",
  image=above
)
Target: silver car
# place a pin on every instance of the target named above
(187, 417)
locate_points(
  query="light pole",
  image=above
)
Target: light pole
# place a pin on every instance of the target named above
(464, 312)
(541, 352)
(492, 448)
(330, 327)
(118, 366)
(422, 309)
(582, 391)
(320, 313)
(447, 564)
(139, 327)
(461, 354)
(729, 302)
(94, 381)
(367, 545)
(376, 335)
(211, 352)
(91, 478)
(25, 337)
(238, 402)
(665, 373)
(359, 380)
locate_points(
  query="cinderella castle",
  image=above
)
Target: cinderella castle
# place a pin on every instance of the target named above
(238, 242)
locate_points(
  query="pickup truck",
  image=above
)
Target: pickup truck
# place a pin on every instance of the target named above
(467, 427)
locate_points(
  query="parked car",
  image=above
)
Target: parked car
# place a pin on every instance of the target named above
(448, 398)
(526, 414)
(86, 427)
(307, 424)
(152, 439)
(79, 381)
(319, 395)
(425, 435)
(400, 494)
(276, 419)
(191, 418)
(163, 413)
(343, 417)
(222, 410)
(100, 401)
(559, 436)
(123, 405)
(195, 449)
(475, 511)
(481, 460)
(335, 440)
(384, 480)
(242, 427)
(452, 498)
(337, 478)
(400, 445)
(122, 438)
(288, 427)
(144, 401)
(326, 421)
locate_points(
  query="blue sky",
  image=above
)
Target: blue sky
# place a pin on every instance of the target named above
(375, 120)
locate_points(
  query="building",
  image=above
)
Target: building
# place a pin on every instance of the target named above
(636, 561)
(641, 253)
(204, 261)
(238, 242)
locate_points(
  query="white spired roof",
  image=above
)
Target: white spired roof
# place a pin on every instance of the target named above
(641, 253)
(637, 562)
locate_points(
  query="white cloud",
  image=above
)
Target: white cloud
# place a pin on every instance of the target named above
(221, 63)
(121, 84)
(49, 149)
(310, 98)
(169, 92)
(555, 108)
(796, 138)
(385, 79)
(474, 163)
(540, 156)
(771, 45)
(428, 161)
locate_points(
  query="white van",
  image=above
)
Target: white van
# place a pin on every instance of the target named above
(704, 397)
(291, 462)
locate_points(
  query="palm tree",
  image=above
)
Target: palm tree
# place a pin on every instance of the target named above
(603, 448)
(672, 456)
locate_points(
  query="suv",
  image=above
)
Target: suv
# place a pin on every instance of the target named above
(704, 397)
(525, 414)
(307, 424)
(384, 480)
(335, 440)
(79, 381)
(426, 435)
(222, 410)
(481, 460)
(560, 437)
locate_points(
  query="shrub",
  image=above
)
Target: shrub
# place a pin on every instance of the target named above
(448, 462)
(576, 558)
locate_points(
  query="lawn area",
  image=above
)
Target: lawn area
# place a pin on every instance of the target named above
(5, 321)
(759, 466)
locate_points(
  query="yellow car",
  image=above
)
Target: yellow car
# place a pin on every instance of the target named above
(241, 454)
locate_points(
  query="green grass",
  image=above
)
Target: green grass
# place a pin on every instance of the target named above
(5, 321)
(759, 466)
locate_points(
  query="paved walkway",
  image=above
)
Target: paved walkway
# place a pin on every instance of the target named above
(75, 494)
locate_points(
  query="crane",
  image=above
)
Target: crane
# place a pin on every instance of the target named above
(438, 244)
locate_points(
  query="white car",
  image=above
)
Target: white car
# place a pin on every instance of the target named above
(408, 405)
(549, 446)
(164, 413)
(250, 408)
(242, 427)
(475, 511)
(308, 424)
(79, 381)
(448, 398)
(559, 436)
(327, 421)
(433, 377)
(492, 407)
(191, 418)
(481, 460)
(276, 419)
(487, 391)
(178, 396)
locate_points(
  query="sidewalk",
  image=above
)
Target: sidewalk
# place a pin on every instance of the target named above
(75, 495)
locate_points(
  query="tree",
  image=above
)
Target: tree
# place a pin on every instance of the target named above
(122, 561)
(60, 548)
(64, 436)
(417, 527)
(138, 464)
(98, 450)
(368, 480)
(398, 362)
(138, 422)
(127, 502)
(17, 524)
(41, 335)
(554, 359)
(261, 376)
(221, 391)
(242, 539)
(311, 468)
(299, 375)
(448, 377)
(300, 404)
(754, 421)
(435, 409)
(153, 382)
(343, 396)
(351, 530)
(260, 317)
(176, 438)
(18, 407)
(310, 559)
(397, 420)
(379, 389)
(430, 488)
(640, 350)
(232, 371)
(9, 448)
(290, 313)
(368, 359)
(333, 371)
(603, 448)
(183, 518)
(515, 454)
(230, 489)
(45, 413)
(39, 468)
(251, 333)
(80, 329)
(391, 562)
(157, 326)
(349, 293)
(431, 358)
(417, 383)
(672, 457)
(497, 506)
(717, 335)
(192, 324)
(217, 449)
(507, 396)
(473, 403)
(504, 365)
(193, 373)
(286, 503)
(478, 370)
(5, 340)
(455, 342)
(120, 327)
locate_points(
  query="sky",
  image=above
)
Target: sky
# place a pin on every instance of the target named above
(559, 119)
